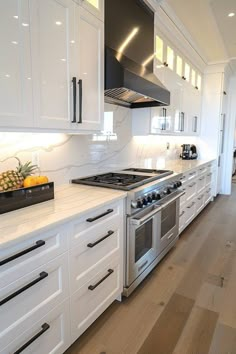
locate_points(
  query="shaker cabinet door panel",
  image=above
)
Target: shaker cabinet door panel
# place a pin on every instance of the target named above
(53, 65)
(16, 107)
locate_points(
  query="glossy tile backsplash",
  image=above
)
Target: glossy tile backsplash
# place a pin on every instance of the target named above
(63, 157)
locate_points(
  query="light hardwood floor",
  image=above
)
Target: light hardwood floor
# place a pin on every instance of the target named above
(187, 305)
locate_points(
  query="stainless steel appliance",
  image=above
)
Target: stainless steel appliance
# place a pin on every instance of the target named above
(189, 152)
(152, 217)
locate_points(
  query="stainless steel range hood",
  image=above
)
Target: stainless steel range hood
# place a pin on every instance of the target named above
(130, 84)
(129, 39)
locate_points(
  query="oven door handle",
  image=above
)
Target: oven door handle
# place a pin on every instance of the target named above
(164, 205)
(140, 221)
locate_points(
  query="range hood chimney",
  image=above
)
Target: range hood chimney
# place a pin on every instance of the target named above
(129, 78)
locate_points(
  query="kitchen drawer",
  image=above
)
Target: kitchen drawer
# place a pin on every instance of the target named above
(202, 170)
(208, 178)
(97, 221)
(190, 190)
(86, 256)
(183, 178)
(191, 175)
(208, 195)
(190, 212)
(35, 295)
(88, 303)
(201, 183)
(39, 250)
(200, 203)
(53, 330)
(182, 220)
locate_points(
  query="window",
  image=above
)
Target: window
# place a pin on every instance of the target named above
(179, 66)
(159, 49)
(170, 58)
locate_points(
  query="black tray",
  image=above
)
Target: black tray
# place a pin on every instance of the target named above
(24, 197)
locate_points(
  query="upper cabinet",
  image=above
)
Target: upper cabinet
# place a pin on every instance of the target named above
(16, 103)
(96, 7)
(61, 63)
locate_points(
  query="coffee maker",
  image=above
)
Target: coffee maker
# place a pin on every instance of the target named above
(189, 152)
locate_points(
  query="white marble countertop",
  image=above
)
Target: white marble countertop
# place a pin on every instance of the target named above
(70, 201)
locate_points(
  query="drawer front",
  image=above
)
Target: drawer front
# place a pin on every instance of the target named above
(191, 190)
(95, 296)
(208, 178)
(190, 212)
(184, 178)
(96, 221)
(208, 195)
(31, 297)
(52, 332)
(200, 203)
(191, 175)
(31, 254)
(202, 170)
(201, 182)
(182, 217)
(86, 256)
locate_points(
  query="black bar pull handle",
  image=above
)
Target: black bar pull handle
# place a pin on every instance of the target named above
(91, 245)
(92, 287)
(42, 276)
(80, 83)
(38, 244)
(44, 327)
(100, 216)
(74, 99)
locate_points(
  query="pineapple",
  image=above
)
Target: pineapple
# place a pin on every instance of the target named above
(14, 179)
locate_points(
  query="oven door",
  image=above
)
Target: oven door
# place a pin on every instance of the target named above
(169, 222)
(143, 232)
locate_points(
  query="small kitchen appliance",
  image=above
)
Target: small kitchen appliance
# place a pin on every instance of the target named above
(189, 152)
(152, 216)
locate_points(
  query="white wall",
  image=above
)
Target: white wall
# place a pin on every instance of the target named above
(63, 157)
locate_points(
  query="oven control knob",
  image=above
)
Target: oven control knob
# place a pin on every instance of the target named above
(139, 204)
(134, 204)
(167, 191)
(179, 183)
(175, 185)
(156, 196)
(149, 198)
(145, 201)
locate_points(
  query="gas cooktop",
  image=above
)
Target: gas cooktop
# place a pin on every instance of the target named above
(125, 179)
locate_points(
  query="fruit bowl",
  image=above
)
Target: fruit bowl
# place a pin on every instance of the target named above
(23, 197)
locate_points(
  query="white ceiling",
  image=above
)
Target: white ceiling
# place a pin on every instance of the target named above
(209, 26)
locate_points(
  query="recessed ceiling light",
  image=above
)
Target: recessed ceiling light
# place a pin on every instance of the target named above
(25, 24)
(58, 23)
(231, 14)
(63, 59)
(16, 17)
(14, 42)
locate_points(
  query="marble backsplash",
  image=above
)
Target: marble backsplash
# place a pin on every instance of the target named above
(63, 157)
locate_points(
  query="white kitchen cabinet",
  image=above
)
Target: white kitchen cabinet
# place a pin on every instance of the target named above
(96, 7)
(16, 103)
(68, 80)
(50, 334)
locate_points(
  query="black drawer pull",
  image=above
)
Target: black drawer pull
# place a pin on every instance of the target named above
(91, 245)
(80, 83)
(74, 99)
(38, 244)
(100, 216)
(42, 275)
(44, 327)
(92, 287)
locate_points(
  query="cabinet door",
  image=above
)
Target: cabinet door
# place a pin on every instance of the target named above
(16, 104)
(96, 7)
(194, 111)
(161, 120)
(90, 54)
(53, 45)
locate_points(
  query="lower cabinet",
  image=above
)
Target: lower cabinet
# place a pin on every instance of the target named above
(198, 187)
(58, 296)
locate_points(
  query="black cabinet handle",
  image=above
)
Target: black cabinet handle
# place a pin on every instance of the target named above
(80, 83)
(100, 216)
(92, 287)
(91, 245)
(38, 244)
(74, 100)
(183, 77)
(196, 87)
(42, 276)
(44, 327)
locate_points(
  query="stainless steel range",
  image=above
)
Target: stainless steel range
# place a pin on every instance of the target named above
(152, 216)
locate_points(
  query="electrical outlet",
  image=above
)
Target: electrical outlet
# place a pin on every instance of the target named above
(167, 146)
(35, 158)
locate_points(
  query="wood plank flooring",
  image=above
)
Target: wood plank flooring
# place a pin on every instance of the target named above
(187, 305)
